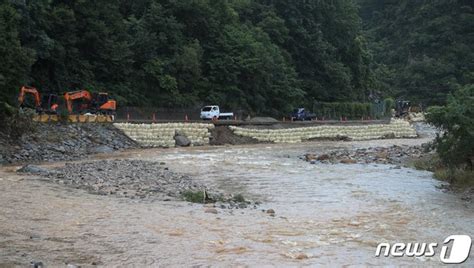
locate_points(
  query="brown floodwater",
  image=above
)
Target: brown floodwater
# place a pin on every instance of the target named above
(325, 214)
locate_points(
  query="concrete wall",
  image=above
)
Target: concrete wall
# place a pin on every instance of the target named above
(161, 135)
(396, 129)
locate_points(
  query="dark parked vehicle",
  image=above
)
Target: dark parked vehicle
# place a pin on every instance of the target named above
(300, 114)
(402, 108)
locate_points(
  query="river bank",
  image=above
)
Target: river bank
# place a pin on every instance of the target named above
(318, 209)
(128, 207)
(54, 142)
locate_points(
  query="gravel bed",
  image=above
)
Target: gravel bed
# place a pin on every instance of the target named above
(124, 178)
(395, 155)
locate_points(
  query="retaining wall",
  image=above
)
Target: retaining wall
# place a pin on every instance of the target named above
(395, 129)
(161, 135)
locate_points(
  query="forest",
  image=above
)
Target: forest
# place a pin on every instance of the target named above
(262, 56)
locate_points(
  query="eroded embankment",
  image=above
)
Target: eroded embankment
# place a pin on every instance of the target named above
(63, 142)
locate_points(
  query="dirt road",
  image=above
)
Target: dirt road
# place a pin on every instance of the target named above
(326, 214)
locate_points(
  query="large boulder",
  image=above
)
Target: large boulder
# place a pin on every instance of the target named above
(181, 140)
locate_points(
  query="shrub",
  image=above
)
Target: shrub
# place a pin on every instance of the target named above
(351, 110)
(16, 122)
(389, 104)
(456, 145)
(194, 196)
(239, 198)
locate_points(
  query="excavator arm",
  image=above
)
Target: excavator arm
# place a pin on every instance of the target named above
(29, 90)
(72, 96)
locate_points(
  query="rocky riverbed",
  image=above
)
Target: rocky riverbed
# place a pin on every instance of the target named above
(395, 155)
(312, 212)
(63, 142)
(136, 179)
(122, 178)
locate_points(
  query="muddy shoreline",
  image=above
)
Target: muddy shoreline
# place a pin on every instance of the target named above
(307, 210)
(126, 207)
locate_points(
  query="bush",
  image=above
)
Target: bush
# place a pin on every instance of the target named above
(389, 104)
(194, 196)
(239, 198)
(16, 122)
(336, 110)
(456, 145)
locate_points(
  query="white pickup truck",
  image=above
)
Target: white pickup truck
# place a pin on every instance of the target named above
(213, 112)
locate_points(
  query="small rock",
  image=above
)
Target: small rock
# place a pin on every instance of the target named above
(36, 264)
(301, 256)
(33, 170)
(389, 136)
(210, 210)
(102, 149)
(382, 155)
(348, 161)
(271, 212)
(323, 157)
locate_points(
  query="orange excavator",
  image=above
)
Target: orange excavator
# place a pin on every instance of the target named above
(82, 101)
(24, 102)
(47, 104)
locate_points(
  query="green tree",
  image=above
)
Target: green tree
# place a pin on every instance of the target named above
(456, 145)
(422, 49)
(16, 59)
(260, 56)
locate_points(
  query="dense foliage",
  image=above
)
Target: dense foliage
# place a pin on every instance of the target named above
(352, 110)
(456, 146)
(261, 56)
(422, 49)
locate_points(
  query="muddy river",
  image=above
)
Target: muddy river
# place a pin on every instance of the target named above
(325, 214)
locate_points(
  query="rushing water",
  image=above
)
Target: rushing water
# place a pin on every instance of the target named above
(325, 214)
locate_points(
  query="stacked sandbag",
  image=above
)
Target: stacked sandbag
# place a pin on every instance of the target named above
(161, 135)
(396, 129)
(416, 117)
